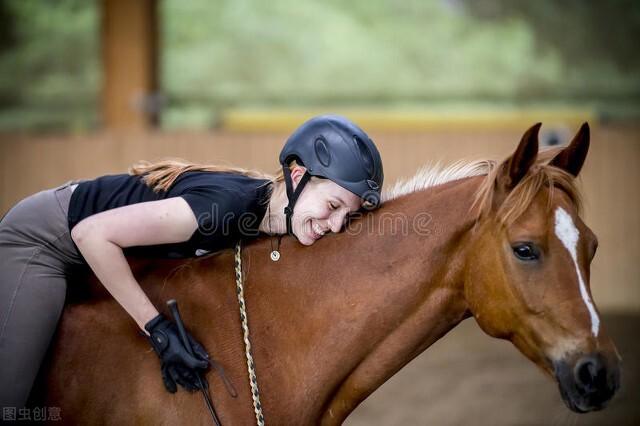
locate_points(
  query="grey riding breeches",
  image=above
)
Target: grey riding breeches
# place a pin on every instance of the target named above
(36, 253)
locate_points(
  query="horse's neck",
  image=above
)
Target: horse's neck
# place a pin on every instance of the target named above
(347, 314)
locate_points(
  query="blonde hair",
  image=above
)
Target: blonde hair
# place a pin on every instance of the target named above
(160, 175)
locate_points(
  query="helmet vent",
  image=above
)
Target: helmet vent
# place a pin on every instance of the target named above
(365, 155)
(322, 151)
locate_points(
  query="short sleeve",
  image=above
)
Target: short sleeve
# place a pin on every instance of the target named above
(216, 211)
(227, 207)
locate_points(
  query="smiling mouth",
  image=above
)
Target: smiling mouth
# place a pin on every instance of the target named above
(315, 230)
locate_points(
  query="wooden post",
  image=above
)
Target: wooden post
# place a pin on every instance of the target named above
(129, 42)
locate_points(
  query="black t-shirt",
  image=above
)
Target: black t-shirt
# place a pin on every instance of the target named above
(228, 206)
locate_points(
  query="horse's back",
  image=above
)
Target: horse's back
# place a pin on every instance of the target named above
(100, 369)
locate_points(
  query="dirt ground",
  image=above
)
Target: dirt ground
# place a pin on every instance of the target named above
(469, 378)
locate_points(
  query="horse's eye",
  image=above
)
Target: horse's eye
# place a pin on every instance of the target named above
(526, 251)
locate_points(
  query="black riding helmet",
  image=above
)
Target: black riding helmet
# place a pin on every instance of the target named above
(333, 147)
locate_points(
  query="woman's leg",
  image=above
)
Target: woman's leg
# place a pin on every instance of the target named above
(31, 299)
(35, 251)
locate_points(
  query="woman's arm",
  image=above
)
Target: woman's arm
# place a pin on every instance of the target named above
(101, 238)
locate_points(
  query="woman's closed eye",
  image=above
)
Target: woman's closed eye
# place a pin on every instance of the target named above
(333, 206)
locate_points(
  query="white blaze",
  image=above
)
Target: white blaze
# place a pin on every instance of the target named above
(567, 232)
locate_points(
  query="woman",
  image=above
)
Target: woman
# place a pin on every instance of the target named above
(168, 209)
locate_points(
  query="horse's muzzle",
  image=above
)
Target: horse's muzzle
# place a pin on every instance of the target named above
(587, 382)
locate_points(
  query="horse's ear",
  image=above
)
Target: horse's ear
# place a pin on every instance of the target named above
(572, 157)
(522, 159)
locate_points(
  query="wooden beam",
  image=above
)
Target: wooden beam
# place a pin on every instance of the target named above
(129, 42)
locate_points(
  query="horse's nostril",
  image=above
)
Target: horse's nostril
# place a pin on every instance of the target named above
(590, 373)
(586, 372)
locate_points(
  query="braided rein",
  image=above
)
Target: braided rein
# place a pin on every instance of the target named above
(253, 380)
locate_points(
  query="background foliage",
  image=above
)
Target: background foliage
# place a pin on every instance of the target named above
(219, 54)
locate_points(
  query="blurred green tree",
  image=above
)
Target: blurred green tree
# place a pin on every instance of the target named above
(583, 31)
(218, 54)
(48, 63)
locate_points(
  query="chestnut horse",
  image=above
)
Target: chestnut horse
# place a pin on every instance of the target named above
(500, 242)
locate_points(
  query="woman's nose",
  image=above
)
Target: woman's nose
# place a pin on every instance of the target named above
(336, 221)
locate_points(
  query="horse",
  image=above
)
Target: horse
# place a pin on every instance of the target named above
(502, 242)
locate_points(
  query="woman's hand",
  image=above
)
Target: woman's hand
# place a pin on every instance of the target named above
(177, 366)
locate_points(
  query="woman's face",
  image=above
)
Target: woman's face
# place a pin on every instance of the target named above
(323, 206)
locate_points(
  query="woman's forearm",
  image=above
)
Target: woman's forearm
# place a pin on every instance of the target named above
(109, 264)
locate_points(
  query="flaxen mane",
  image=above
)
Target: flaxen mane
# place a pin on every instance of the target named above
(540, 175)
(434, 175)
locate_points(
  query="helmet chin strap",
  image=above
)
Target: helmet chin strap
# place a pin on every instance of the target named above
(292, 195)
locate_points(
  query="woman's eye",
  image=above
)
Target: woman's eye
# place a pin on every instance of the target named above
(526, 251)
(333, 206)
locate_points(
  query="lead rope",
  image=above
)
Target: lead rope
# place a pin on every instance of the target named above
(253, 380)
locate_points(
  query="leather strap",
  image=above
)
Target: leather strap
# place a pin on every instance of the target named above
(292, 195)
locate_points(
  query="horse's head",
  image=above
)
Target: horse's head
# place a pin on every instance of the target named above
(527, 278)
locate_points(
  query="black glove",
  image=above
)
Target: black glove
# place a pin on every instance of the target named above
(177, 365)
